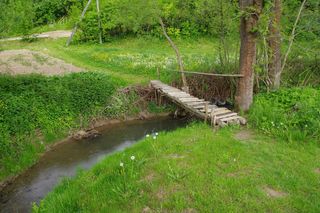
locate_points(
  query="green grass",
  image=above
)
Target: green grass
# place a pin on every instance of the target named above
(196, 169)
(290, 113)
(36, 110)
(133, 59)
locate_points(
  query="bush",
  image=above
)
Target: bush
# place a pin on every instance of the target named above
(48, 11)
(293, 114)
(35, 110)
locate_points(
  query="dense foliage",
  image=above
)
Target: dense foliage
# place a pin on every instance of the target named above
(186, 18)
(35, 110)
(293, 114)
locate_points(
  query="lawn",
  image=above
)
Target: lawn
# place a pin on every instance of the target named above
(133, 59)
(197, 170)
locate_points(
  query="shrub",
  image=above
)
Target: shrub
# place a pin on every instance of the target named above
(293, 114)
(35, 110)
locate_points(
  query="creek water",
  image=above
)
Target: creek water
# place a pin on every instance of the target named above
(66, 158)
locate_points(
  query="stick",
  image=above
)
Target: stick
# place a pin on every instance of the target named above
(179, 59)
(99, 21)
(212, 74)
(77, 24)
(292, 36)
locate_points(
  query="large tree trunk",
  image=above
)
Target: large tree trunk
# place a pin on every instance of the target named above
(274, 42)
(251, 10)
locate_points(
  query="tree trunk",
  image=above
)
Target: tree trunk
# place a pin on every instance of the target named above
(76, 25)
(251, 10)
(274, 43)
(185, 87)
(99, 21)
(293, 35)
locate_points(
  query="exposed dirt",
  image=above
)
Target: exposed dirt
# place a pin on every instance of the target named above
(317, 171)
(189, 210)
(56, 34)
(52, 34)
(146, 209)
(149, 178)
(176, 156)
(244, 135)
(274, 193)
(16, 62)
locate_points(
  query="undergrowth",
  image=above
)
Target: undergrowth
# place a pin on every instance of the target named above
(36, 110)
(292, 114)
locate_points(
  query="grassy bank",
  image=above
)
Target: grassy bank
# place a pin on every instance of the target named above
(292, 114)
(135, 60)
(195, 169)
(37, 110)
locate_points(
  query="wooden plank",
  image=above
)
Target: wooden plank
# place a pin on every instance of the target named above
(197, 103)
(190, 99)
(177, 93)
(221, 112)
(210, 107)
(199, 107)
(230, 114)
(217, 109)
(229, 118)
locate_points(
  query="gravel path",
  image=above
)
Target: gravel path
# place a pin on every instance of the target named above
(52, 34)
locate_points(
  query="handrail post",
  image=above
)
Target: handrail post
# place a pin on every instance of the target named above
(206, 111)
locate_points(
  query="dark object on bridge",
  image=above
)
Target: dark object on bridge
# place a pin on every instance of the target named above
(222, 103)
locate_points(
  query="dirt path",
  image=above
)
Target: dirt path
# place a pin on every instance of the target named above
(23, 61)
(51, 34)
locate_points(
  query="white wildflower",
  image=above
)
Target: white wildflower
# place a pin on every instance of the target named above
(133, 157)
(147, 135)
(154, 137)
(234, 160)
(121, 164)
(157, 134)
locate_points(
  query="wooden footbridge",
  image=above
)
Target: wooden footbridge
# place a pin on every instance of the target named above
(217, 116)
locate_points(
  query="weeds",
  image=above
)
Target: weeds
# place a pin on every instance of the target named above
(35, 110)
(292, 114)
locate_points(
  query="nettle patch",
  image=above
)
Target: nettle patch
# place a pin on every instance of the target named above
(293, 114)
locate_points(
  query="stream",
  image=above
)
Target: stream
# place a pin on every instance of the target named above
(65, 159)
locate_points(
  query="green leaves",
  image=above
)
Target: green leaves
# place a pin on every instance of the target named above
(289, 113)
(37, 107)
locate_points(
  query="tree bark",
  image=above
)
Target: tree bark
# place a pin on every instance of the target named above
(185, 87)
(99, 21)
(293, 35)
(77, 24)
(251, 10)
(274, 44)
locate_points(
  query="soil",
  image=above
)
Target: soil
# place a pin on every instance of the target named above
(52, 34)
(16, 62)
(274, 193)
(244, 135)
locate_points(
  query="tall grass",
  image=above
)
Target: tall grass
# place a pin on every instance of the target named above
(293, 114)
(35, 110)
